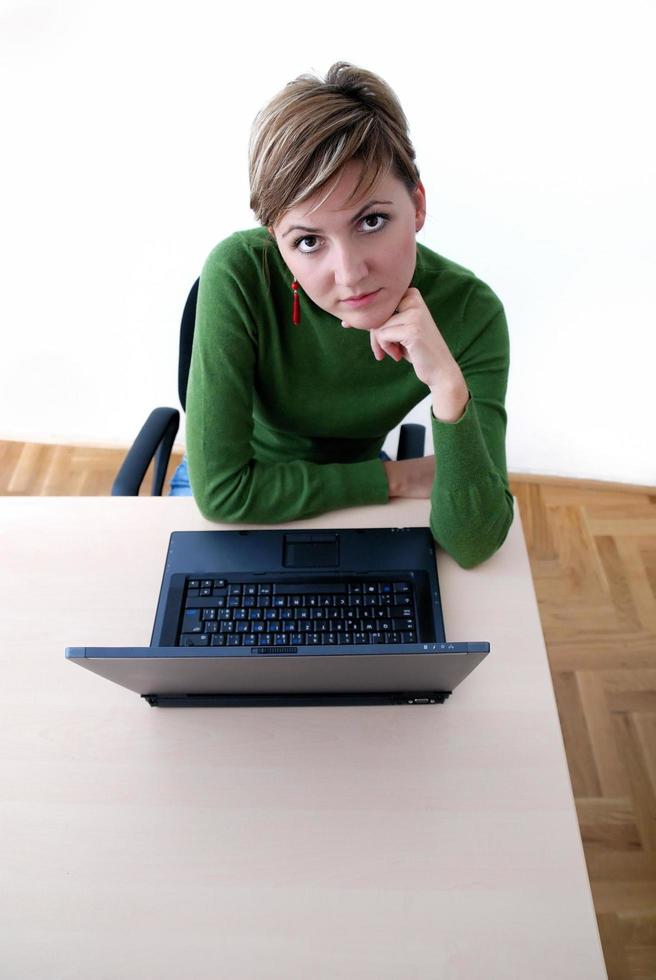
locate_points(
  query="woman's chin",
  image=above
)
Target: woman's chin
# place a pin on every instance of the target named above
(367, 319)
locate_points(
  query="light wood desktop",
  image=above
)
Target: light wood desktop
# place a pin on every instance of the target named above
(369, 842)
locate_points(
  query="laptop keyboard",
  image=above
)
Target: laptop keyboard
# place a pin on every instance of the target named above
(232, 613)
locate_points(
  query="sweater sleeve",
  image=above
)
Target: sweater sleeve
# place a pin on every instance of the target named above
(471, 502)
(228, 482)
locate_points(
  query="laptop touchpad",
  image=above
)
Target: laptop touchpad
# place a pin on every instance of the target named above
(311, 551)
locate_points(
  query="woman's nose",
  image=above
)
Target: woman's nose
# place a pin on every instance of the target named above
(350, 268)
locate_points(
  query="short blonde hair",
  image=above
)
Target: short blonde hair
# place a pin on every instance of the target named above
(311, 128)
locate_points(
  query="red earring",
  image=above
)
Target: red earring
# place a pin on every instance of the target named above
(296, 308)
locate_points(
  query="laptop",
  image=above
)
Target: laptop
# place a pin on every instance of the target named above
(286, 617)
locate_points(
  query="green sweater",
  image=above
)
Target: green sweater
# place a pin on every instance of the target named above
(285, 422)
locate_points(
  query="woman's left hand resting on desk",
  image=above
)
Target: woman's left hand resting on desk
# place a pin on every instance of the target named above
(412, 334)
(410, 477)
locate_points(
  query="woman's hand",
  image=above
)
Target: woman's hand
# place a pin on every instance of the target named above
(412, 334)
(410, 477)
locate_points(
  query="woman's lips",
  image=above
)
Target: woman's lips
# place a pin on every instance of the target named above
(363, 300)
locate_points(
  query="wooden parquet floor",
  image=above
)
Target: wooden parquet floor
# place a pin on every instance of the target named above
(593, 560)
(592, 550)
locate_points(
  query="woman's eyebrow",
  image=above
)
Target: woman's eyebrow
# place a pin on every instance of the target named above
(317, 231)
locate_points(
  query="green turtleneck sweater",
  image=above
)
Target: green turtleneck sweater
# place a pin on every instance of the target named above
(284, 421)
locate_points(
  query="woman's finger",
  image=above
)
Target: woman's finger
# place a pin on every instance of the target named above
(393, 349)
(379, 353)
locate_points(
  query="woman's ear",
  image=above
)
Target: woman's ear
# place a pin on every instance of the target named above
(419, 197)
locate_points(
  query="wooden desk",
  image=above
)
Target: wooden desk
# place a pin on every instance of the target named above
(401, 842)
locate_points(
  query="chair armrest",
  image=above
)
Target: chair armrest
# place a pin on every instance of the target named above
(154, 440)
(411, 441)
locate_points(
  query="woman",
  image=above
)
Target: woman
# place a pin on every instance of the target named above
(286, 419)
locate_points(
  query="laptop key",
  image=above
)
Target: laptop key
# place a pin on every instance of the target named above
(195, 640)
(314, 588)
(396, 611)
(191, 622)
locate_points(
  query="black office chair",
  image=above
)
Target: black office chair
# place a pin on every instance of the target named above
(156, 437)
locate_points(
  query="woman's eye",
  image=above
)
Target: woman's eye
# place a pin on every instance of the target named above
(376, 217)
(308, 238)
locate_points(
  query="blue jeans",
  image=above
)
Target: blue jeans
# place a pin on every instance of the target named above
(181, 487)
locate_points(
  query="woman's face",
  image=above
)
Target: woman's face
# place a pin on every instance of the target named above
(370, 248)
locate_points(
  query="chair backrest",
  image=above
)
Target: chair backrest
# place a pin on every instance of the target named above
(186, 342)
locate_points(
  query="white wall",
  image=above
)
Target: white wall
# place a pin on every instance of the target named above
(125, 132)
